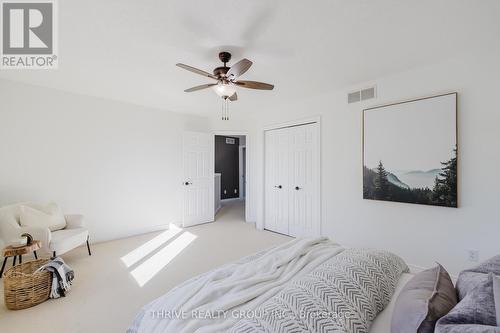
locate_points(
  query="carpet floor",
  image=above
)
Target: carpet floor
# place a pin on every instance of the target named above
(123, 275)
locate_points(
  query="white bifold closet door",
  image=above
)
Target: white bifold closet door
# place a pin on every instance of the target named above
(292, 182)
(276, 180)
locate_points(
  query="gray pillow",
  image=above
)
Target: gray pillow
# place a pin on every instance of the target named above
(496, 295)
(428, 296)
(476, 312)
(470, 278)
(491, 265)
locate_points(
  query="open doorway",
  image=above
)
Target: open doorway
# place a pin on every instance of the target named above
(230, 175)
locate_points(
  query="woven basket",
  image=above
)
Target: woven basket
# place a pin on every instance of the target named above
(23, 288)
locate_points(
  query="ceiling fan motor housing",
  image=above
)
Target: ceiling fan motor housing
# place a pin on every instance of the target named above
(224, 57)
(221, 71)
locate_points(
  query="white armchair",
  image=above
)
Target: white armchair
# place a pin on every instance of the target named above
(56, 242)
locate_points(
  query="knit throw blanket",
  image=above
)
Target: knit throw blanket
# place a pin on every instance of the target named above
(62, 276)
(343, 295)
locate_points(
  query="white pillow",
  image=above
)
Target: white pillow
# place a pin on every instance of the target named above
(50, 217)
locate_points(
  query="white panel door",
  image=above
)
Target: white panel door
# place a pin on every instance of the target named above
(276, 180)
(198, 182)
(304, 179)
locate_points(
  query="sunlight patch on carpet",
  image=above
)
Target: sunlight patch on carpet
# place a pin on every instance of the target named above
(149, 268)
(145, 249)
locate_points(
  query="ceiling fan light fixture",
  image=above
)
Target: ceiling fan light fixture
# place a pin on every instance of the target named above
(224, 89)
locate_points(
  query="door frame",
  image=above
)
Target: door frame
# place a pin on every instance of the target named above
(242, 184)
(291, 123)
(247, 164)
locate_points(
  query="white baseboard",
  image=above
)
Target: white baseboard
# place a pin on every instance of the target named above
(132, 233)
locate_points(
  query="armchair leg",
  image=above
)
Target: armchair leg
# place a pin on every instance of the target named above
(34, 252)
(88, 247)
(54, 254)
(3, 266)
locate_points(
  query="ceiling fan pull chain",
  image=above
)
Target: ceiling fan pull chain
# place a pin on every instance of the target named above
(225, 109)
(222, 109)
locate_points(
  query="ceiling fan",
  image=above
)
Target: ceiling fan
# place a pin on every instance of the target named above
(227, 80)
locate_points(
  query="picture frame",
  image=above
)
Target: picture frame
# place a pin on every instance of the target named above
(410, 151)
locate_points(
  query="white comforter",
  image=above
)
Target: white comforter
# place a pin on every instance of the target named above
(213, 302)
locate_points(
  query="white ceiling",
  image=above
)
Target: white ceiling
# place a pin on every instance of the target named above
(127, 49)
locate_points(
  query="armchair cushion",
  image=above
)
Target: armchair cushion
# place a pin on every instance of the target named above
(67, 239)
(74, 221)
(51, 217)
(9, 228)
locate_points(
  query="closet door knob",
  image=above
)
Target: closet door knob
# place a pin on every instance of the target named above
(297, 188)
(187, 183)
(278, 186)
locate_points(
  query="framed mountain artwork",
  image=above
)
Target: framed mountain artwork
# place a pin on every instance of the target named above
(410, 151)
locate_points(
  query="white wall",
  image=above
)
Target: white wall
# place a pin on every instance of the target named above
(118, 164)
(420, 234)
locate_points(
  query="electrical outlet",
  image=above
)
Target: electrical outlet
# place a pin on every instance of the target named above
(473, 255)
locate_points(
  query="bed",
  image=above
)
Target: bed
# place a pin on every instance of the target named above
(310, 284)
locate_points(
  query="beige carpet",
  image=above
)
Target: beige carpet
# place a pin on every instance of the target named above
(105, 296)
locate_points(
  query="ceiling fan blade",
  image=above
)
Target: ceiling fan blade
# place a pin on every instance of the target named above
(197, 71)
(239, 68)
(233, 98)
(203, 86)
(254, 85)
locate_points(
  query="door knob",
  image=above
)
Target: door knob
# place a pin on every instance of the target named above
(278, 186)
(187, 183)
(297, 188)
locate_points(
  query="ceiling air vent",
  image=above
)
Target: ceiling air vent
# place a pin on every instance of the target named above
(361, 95)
